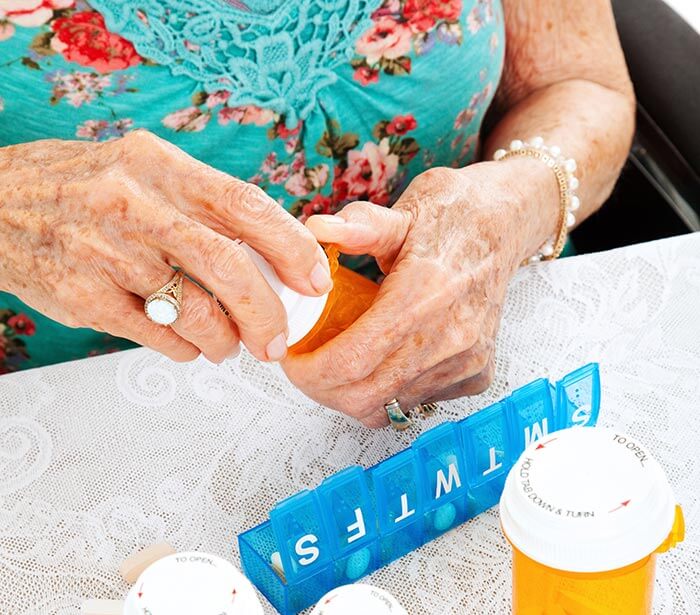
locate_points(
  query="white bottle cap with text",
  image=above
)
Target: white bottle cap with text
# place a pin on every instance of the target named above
(358, 598)
(189, 583)
(587, 499)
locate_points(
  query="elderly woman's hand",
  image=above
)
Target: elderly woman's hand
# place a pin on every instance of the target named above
(88, 230)
(449, 247)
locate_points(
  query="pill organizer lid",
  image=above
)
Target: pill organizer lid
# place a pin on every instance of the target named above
(187, 583)
(587, 500)
(302, 312)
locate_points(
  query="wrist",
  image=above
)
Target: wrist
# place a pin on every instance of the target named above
(535, 211)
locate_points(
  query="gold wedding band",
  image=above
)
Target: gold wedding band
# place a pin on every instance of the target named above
(163, 306)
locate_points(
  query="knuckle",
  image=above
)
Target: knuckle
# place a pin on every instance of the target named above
(224, 259)
(140, 145)
(249, 201)
(437, 176)
(139, 137)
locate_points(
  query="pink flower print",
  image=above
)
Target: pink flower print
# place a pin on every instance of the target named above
(318, 176)
(7, 30)
(297, 185)
(248, 114)
(31, 13)
(366, 75)
(291, 144)
(464, 117)
(190, 119)
(102, 130)
(464, 154)
(389, 7)
(299, 162)
(78, 87)
(286, 133)
(386, 38)
(269, 164)
(401, 124)
(368, 173)
(280, 174)
(318, 205)
(217, 98)
(307, 180)
(422, 15)
(481, 14)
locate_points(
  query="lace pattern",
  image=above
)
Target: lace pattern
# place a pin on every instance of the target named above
(276, 55)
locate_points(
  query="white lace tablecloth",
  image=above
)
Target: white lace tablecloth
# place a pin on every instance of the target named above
(101, 456)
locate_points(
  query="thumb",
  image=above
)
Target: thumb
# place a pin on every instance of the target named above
(364, 228)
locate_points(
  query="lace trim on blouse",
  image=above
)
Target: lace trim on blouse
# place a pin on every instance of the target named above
(276, 54)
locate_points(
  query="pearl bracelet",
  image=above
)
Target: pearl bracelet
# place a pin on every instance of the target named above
(563, 170)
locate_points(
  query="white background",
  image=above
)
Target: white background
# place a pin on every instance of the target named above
(689, 9)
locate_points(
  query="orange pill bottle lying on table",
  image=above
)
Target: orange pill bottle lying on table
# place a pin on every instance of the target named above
(586, 511)
(313, 321)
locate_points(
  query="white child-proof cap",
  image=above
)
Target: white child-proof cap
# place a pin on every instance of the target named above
(192, 583)
(587, 499)
(302, 312)
(358, 598)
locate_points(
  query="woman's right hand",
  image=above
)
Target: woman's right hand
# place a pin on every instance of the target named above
(89, 230)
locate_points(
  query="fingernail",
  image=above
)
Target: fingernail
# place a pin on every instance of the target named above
(321, 278)
(235, 353)
(329, 219)
(277, 348)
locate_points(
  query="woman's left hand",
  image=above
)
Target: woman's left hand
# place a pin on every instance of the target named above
(449, 247)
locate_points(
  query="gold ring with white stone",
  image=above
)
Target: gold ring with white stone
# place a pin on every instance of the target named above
(163, 306)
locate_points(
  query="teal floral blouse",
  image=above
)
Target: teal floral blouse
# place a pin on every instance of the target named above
(319, 102)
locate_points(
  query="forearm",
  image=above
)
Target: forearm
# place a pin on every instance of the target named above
(565, 80)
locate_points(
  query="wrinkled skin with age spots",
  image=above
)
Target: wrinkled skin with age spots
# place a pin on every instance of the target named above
(455, 237)
(91, 229)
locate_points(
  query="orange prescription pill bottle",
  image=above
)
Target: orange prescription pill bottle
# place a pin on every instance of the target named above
(313, 321)
(586, 511)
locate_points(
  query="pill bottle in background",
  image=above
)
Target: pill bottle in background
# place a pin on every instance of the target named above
(358, 599)
(192, 583)
(586, 511)
(315, 320)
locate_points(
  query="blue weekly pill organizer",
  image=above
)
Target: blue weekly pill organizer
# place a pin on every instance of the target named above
(359, 520)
